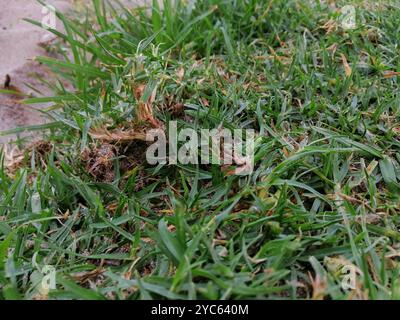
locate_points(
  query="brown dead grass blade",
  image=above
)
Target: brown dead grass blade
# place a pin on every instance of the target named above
(347, 68)
(145, 109)
(117, 135)
(15, 158)
(390, 74)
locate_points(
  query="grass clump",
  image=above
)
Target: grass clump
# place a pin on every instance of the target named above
(324, 194)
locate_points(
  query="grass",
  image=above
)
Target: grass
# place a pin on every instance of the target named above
(324, 195)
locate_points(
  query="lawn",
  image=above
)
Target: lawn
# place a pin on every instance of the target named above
(317, 218)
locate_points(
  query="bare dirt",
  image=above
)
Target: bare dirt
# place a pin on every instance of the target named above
(19, 44)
